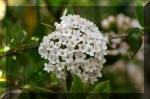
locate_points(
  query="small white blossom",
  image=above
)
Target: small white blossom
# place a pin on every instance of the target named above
(90, 51)
(60, 66)
(50, 45)
(68, 58)
(84, 77)
(80, 57)
(60, 74)
(48, 67)
(57, 44)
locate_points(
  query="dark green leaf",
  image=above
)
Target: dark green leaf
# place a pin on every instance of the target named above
(69, 80)
(68, 10)
(36, 69)
(77, 85)
(134, 40)
(139, 11)
(24, 95)
(103, 87)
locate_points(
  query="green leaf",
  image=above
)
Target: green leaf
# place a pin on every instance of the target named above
(103, 87)
(76, 88)
(53, 79)
(77, 85)
(135, 41)
(22, 35)
(139, 12)
(36, 88)
(49, 26)
(68, 10)
(15, 33)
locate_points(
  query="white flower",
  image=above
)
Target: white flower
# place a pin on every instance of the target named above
(77, 71)
(104, 47)
(90, 66)
(93, 79)
(90, 51)
(54, 59)
(70, 49)
(99, 74)
(70, 66)
(48, 56)
(97, 48)
(48, 67)
(76, 46)
(60, 66)
(50, 45)
(42, 50)
(71, 43)
(62, 52)
(60, 74)
(57, 44)
(84, 77)
(82, 47)
(68, 58)
(80, 57)
(76, 65)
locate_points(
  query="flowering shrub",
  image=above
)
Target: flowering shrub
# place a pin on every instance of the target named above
(70, 59)
(76, 46)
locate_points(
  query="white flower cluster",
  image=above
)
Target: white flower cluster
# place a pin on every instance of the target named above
(76, 46)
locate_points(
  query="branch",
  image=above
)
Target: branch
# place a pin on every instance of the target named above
(18, 51)
(121, 37)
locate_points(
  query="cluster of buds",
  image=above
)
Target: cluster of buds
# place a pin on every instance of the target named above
(121, 22)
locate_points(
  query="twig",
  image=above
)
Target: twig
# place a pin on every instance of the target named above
(18, 51)
(121, 37)
(47, 25)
